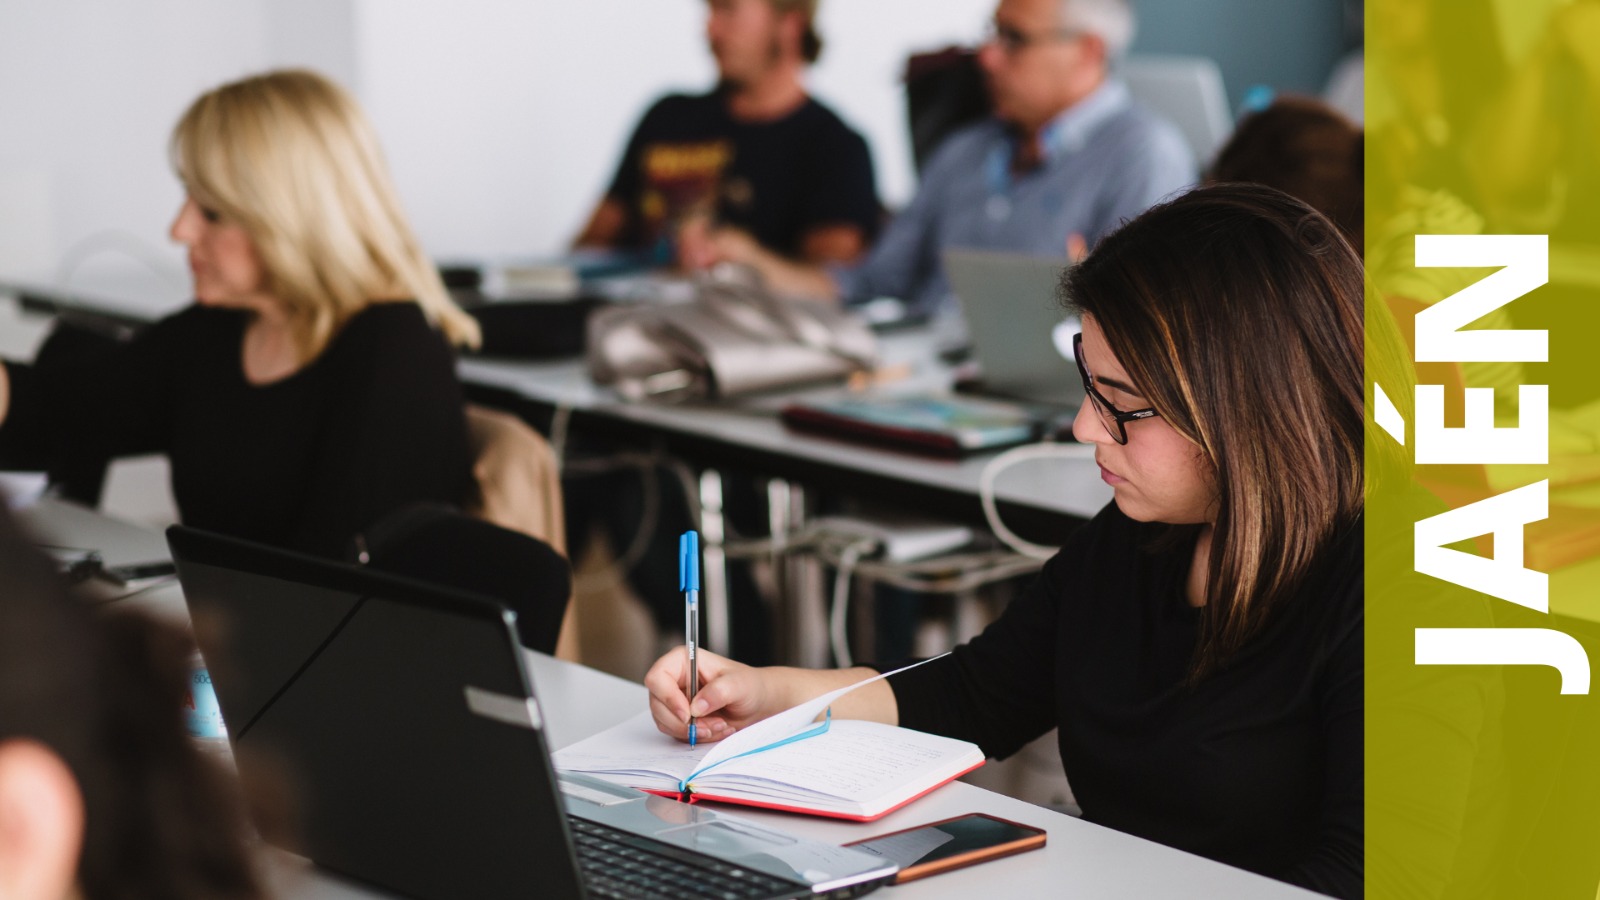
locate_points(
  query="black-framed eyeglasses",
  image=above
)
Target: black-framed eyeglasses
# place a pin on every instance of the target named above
(1115, 420)
(1014, 40)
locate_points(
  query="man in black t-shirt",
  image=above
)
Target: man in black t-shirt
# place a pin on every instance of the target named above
(758, 158)
(755, 154)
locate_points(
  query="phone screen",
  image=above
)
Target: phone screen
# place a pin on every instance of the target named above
(972, 836)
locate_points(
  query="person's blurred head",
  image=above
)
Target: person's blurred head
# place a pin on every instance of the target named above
(289, 199)
(1235, 313)
(1306, 149)
(102, 792)
(1043, 56)
(751, 38)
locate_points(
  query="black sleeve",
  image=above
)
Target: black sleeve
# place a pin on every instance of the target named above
(116, 401)
(625, 184)
(998, 690)
(395, 434)
(1335, 865)
(843, 190)
(20, 444)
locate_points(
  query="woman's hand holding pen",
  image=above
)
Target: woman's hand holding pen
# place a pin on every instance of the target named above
(732, 695)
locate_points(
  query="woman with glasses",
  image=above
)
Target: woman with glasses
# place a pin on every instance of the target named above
(1199, 642)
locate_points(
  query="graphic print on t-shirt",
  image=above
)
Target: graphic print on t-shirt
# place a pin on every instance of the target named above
(680, 179)
(775, 179)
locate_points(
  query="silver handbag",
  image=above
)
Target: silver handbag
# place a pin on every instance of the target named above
(732, 339)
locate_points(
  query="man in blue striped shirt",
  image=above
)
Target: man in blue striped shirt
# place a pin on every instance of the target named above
(1065, 157)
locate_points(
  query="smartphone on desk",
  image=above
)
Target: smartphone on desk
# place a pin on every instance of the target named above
(951, 844)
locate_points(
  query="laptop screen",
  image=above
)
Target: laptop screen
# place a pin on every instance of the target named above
(373, 732)
(1021, 336)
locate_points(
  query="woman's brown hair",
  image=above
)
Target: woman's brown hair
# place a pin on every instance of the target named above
(104, 692)
(1237, 311)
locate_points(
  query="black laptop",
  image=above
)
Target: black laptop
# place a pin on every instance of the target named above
(396, 724)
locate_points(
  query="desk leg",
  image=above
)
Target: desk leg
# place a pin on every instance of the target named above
(970, 616)
(714, 567)
(801, 612)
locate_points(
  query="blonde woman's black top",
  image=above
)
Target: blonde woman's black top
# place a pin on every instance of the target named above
(1258, 766)
(373, 423)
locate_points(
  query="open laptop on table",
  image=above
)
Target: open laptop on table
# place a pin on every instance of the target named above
(398, 722)
(1009, 302)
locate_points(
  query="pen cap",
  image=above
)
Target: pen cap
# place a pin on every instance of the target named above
(689, 561)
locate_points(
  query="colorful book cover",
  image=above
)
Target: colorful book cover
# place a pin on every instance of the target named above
(936, 424)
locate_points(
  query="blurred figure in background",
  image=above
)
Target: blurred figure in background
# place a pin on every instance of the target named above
(757, 161)
(756, 157)
(1306, 149)
(102, 792)
(1066, 157)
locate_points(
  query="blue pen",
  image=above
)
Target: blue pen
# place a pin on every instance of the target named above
(689, 583)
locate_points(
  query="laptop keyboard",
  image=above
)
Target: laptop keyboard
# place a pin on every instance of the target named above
(616, 864)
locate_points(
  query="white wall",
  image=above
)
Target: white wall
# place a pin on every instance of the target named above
(502, 119)
(90, 90)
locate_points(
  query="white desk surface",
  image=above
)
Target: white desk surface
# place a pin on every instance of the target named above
(1080, 858)
(1070, 485)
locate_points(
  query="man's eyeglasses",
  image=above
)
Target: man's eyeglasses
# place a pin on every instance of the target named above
(1014, 40)
(1115, 420)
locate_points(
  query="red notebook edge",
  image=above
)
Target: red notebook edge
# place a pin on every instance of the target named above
(779, 807)
(908, 439)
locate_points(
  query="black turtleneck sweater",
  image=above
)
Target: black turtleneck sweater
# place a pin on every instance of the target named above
(1258, 766)
(375, 422)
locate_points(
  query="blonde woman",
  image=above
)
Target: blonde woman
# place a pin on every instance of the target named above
(311, 388)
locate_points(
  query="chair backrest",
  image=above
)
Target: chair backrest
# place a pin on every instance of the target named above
(944, 91)
(438, 545)
(519, 478)
(519, 487)
(1188, 92)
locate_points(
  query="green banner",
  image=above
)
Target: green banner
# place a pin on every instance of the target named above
(1483, 456)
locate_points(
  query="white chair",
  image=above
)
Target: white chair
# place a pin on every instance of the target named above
(1188, 92)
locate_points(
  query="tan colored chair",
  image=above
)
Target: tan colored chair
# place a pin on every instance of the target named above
(519, 487)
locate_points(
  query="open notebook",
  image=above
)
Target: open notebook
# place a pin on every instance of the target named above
(843, 768)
